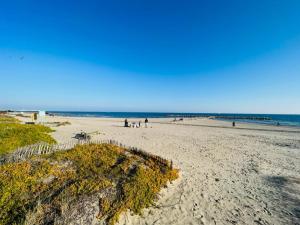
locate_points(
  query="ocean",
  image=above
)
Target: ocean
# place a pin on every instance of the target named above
(268, 119)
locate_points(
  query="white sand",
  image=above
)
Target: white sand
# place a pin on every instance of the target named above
(228, 176)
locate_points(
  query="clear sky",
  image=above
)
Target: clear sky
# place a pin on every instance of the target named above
(156, 55)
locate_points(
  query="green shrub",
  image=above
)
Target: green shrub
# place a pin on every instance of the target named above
(44, 184)
(8, 119)
(14, 135)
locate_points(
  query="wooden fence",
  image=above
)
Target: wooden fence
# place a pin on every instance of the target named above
(26, 152)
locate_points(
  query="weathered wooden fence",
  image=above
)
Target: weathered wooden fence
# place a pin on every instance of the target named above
(26, 152)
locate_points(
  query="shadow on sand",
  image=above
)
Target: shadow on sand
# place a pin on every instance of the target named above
(288, 195)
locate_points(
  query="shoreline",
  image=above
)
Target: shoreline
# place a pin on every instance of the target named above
(169, 120)
(251, 120)
(240, 118)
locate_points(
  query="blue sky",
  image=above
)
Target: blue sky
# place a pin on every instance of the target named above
(163, 56)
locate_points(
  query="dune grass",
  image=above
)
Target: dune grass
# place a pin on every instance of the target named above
(39, 189)
(14, 135)
(8, 119)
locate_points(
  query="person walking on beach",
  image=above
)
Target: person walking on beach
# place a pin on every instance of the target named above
(146, 122)
(126, 123)
(233, 123)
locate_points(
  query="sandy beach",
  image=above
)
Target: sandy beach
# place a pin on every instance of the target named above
(244, 175)
(218, 81)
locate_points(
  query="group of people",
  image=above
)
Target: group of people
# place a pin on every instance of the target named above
(134, 124)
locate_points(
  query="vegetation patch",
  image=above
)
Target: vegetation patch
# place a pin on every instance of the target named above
(58, 124)
(23, 115)
(88, 182)
(8, 119)
(14, 135)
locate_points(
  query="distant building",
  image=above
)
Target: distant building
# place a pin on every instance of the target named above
(42, 113)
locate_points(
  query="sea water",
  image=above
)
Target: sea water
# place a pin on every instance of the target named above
(268, 119)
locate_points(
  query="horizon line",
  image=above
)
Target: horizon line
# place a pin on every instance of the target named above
(156, 112)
